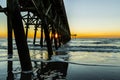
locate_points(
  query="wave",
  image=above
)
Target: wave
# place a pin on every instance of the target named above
(93, 50)
(114, 49)
(105, 47)
(95, 41)
(88, 45)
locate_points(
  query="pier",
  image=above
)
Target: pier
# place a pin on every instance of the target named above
(49, 16)
(74, 35)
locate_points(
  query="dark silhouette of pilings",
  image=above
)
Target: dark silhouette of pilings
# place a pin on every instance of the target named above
(41, 38)
(55, 38)
(9, 28)
(40, 9)
(50, 15)
(17, 25)
(27, 25)
(10, 75)
(35, 33)
(47, 39)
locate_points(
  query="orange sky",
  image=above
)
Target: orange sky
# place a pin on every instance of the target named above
(112, 34)
(3, 33)
(97, 34)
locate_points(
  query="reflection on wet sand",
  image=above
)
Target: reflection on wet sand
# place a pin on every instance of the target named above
(10, 75)
(41, 70)
(52, 71)
(25, 76)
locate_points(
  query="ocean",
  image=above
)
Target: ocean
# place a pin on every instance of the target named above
(85, 59)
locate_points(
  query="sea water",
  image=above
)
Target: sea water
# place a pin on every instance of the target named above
(88, 59)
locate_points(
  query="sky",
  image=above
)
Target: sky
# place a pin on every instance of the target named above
(86, 18)
(3, 21)
(94, 18)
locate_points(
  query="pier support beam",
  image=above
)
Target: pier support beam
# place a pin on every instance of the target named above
(47, 38)
(41, 39)
(10, 75)
(27, 25)
(34, 40)
(55, 38)
(20, 38)
(41, 11)
(9, 29)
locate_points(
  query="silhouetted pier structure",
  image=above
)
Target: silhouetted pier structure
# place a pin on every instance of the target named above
(74, 35)
(48, 15)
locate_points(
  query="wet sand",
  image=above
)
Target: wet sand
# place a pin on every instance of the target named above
(76, 72)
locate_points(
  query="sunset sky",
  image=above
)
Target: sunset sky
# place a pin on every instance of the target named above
(94, 18)
(87, 18)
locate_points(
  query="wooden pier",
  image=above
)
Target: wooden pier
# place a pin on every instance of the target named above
(48, 15)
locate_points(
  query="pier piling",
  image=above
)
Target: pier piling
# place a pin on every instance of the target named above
(20, 38)
(9, 28)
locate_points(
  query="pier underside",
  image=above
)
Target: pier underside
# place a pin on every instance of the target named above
(48, 15)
